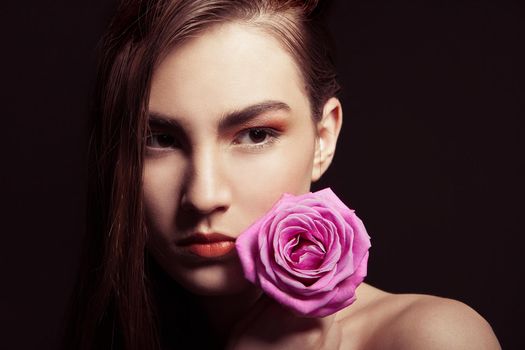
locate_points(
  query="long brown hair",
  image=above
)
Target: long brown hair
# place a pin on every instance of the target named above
(112, 306)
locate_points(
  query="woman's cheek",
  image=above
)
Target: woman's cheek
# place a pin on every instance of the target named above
(162, 180)
(259, 180)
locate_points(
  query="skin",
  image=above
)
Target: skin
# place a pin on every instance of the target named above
(205, 175)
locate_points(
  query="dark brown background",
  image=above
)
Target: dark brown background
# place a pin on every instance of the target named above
(431, 154)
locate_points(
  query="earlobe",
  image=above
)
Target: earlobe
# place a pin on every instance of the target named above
(328, 129)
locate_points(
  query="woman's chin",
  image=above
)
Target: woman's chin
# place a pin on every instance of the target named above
(212, 280)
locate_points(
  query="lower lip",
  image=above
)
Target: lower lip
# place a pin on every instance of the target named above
(212, 250)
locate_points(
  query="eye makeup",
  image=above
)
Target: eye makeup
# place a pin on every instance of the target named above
(256, 138)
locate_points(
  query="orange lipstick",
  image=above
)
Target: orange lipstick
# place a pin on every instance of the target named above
(211, 245)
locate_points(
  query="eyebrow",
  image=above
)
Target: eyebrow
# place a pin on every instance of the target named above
(246, 114)
(156, 119)
(229, 120)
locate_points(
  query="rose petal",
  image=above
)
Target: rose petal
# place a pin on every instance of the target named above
(300, 304)
(346, 291)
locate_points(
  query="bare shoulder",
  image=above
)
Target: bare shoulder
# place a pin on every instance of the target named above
(428, 322)
(414, 321)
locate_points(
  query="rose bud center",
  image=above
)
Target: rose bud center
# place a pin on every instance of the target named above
(306, 254)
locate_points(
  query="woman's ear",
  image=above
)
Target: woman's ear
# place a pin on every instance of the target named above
(328, 129)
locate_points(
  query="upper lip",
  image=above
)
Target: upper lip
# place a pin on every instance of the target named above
(203, 238)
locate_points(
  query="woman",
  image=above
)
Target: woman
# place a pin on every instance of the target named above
(206, 113)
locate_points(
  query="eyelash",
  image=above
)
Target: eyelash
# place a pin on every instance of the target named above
(155, 135)
(270, 136)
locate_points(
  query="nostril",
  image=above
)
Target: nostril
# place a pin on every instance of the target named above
(193, 210)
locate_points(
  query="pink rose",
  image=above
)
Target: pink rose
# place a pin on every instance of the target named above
(309, 253)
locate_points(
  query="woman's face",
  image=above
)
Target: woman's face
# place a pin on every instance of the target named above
(231, 131)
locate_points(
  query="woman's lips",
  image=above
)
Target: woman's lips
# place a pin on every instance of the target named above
(211, 250)
(212, 245)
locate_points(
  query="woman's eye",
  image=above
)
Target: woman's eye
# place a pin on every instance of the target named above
(162, 141)
(256, 136)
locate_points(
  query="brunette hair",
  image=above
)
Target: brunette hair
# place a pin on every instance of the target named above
(112, 304)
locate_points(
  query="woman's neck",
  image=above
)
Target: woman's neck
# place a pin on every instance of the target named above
(186, 318)
(226, 313)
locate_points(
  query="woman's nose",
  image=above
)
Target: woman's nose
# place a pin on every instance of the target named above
(207, 188)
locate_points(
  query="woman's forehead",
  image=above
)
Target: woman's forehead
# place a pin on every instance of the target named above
(226, 67)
